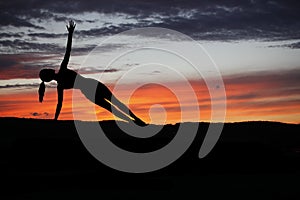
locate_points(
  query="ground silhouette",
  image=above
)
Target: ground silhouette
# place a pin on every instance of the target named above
(46, 159)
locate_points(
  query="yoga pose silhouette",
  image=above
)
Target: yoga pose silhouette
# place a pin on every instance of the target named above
(94, 90)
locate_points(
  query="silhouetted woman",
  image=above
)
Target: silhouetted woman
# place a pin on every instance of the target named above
(65, 78)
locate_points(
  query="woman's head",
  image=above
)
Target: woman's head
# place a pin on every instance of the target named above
(47, 75)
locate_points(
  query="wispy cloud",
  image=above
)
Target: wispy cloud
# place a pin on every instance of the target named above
(33, 85)
(93, 70)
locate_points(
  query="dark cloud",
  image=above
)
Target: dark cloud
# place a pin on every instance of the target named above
(250, 95)
(7, 62)
(13, 66)
(10, 19)
(82, 50)
(37, 114)
(48, 35)
(32, 72)
(23, 45)
(101, 48)
(295, 45)
(9, 35)
(23, 65)
(50, 48)
(274, 78)
(109, 30)
(209, 20)
(239, 21)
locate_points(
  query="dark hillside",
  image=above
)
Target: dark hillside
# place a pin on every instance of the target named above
(46, 159)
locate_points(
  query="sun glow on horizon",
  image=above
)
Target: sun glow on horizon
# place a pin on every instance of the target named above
(246, 101)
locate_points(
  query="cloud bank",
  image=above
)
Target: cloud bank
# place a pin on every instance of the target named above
(208, 20)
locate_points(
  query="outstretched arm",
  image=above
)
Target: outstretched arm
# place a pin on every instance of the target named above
(70, 29)
(60, 97)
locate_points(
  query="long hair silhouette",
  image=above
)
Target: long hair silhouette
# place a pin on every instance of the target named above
(68, 79)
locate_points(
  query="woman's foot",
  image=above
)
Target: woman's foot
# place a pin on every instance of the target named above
(139, 122)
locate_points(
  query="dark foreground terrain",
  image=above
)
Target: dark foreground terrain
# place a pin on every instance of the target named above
(43, 159)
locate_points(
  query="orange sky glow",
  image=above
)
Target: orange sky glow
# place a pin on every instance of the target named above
(246, 101)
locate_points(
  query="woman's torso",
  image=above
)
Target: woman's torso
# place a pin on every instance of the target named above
(66, 78)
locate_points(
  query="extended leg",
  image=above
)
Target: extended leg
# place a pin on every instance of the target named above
(104, 93)
(125, 109)
(105, 104)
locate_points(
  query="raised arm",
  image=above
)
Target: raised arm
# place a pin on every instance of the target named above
(70, 29)
(60, 97)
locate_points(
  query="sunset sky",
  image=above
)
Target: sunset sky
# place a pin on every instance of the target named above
(255, 45)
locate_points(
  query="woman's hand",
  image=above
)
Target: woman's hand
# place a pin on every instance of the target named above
(71, 26)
